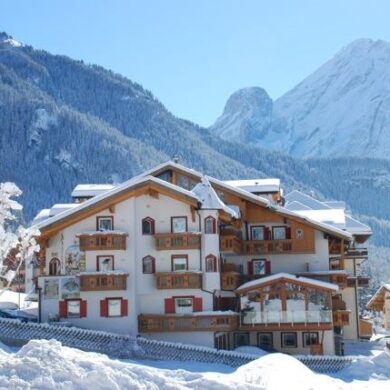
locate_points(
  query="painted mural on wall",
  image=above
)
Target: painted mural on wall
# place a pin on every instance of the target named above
(70, 287)
(74, 260)
(51, 289)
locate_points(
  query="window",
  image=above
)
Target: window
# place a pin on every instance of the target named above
(73, 309)
(279, 233)
(241, 339)
(289, 339)
(148, 226)
(179, 224)
(258, 233)
(210, 225)
(179, 263)
(259, 267)
(166, 176)
(104, 263)
(148, 265)
(310, 338)
(54, 267)
(265, 340)
(183, 305)
(104, 223)
(114, 307)
(211, 263)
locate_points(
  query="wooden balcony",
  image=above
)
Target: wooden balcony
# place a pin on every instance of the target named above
(341, 317)
(359, 281)
(169, 241)
(338, 304)
(103, 282)
(171, 280)
(230, 244)
(187, 323)
(230, 280)
(332, 277)
(102, 241)
(267, 246)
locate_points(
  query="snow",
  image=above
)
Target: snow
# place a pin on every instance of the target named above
(256, 185)
(101, 232)
(248, 349)
(86, 190)
(10, 300)
(293, 278)
(46, 364)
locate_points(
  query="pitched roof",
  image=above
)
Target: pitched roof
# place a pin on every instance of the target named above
(253, 284)
(376, 302)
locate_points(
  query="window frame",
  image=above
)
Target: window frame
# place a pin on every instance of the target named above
(152, 226)
(98, 257)
(58, 265)
(153, 262)
(264, 261)
(282, 343)
(271, 336)
(237, 334)
(175, 299)
(214, 259)
(213, 225)
(102, 217)
(174, 257)
(67, 308)
(305, 345)
(177, 217)
(253, 227)
(279, 227)
(120, 307)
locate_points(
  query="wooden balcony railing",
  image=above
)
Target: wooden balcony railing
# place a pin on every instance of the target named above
(230, 243)
(230, 280)
(167, 241)
(338, 304)
(170, 280)
(148, 323)
(341, 317)
(102, 241)
(359, 281)
(336, 278)
(103, 282)
(267, 246)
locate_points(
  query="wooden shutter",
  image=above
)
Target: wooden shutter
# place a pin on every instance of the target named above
(250, 268)
(214, 226)
(288, 232)
(124, 307)
(197, 304)
(267, 267)
(83, 309)
(267, 233)
(63, 309)
(103, 308)
(169, 305)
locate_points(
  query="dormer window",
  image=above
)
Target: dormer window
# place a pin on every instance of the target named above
(210, 225)
(105, 223)
(148, 226)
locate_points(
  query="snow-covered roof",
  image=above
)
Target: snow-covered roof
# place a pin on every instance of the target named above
(102, 232)
(88, 190)
(125, 186)
(282, 275)
(60, 207)
(210, 200)
(378, 297)
(42, 214)
(256, 185)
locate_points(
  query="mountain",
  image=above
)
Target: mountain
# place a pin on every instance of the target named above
(342, 109)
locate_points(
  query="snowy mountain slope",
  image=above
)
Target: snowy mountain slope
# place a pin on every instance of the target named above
(342, 109)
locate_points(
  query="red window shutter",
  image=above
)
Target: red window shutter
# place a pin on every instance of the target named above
(169, 306)
(124, 305)
(103, 308)
(250, 268)
(63, 309)
(267, 233)
(267, 267)
(214, 226)
(197, 304)
(83, 309)
(288, 232)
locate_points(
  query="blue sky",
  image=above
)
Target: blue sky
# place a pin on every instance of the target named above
(193, 54)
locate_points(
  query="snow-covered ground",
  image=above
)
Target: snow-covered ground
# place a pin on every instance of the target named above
(45, 364)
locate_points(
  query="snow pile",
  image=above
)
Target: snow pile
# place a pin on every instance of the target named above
(250, 350)
(46, 364)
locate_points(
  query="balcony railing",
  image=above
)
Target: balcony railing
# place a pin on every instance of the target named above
(171, 280)
(286, 317)
(338, 304)
(267, 246)
(167, 241)
(341, 317)
(103, 282)
(230, 280)
(187, 323)
(102, 241)
(230, 243)
(360, 281)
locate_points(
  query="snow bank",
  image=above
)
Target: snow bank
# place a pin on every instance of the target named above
(251, 350)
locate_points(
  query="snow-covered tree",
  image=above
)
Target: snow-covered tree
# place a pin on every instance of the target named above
(14, 237)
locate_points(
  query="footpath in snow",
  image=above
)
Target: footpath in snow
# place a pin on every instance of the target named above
(46, 364)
